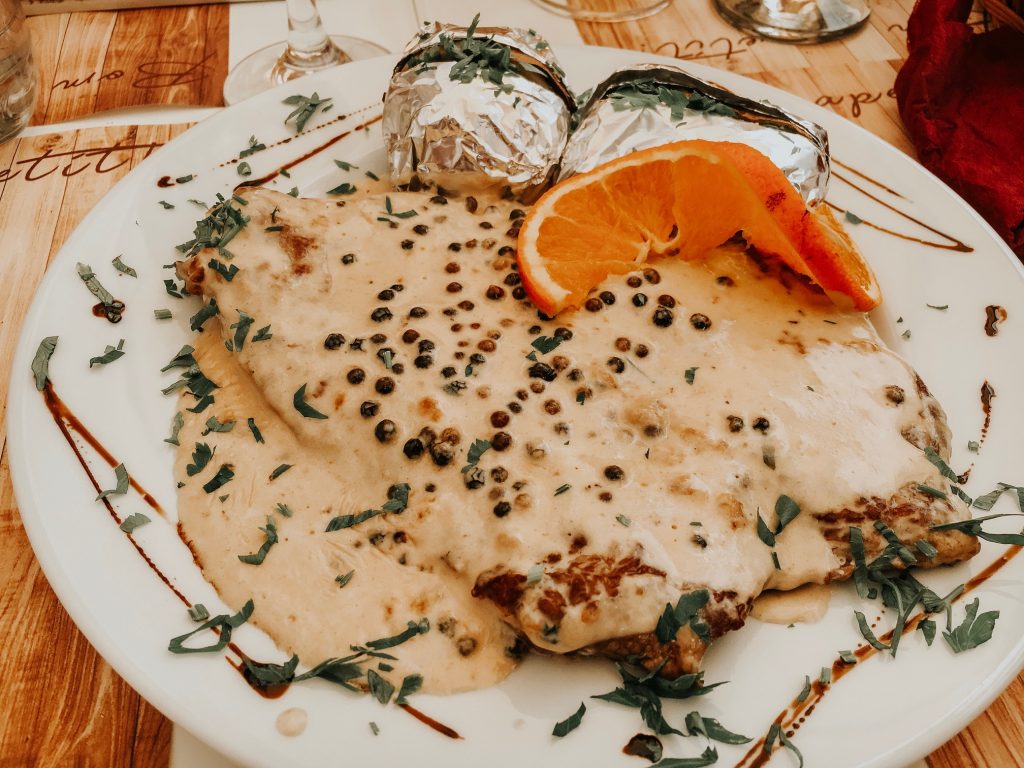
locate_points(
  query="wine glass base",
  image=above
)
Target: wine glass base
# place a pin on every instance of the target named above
(795, 21)
(261, 71)
(618, 11)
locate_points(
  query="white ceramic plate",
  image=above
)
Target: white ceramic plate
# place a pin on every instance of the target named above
(886, 712)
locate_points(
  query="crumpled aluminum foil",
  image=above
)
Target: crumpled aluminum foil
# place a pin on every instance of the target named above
(618, 119)
(478, 133)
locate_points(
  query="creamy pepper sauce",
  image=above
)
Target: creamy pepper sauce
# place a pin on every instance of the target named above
(624, 467)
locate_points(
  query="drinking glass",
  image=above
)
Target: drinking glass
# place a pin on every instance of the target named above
(795, 21)
(604, 10)
(17, 75)
(308, 49)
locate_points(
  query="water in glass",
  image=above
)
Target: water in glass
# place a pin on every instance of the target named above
(17, 75)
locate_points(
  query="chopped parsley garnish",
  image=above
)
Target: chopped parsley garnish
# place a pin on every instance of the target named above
(710, 728)
(257, 558)
(283, 509)
(455, 387)
(853, 218)
(279, 470)
(473, 57)
(805, 691)
(933, 492)
(305, 107)
(380, 688)
(410, 684)
(110, 354)
(786, 510)
(398, 500)
(973, 446)
(223, 623)
(847, 657)
(121, 487)
(41, 361)
(868, 635)
(198, 613)
(213, 424)
(973, 631)
(241, 330)
(644, 689)
(256, 434)
(244, 169)
(275, 228)
(476, 450)
(941, 307)
(254, 146)
(185, 179)
(172, 288)
(344, 579)
(123, 268)
(397, 214)
(224, 475)
(345, 166)
(581, 396)
(227, 271)
(263, 334)
(342, 189)
(200, 458)
(223, 222)
(562, 489)
(624, 520)
(176, 424)
(685, 613)
(372, 175)
(571, 723)
(294, 191)
(925, 548)
(927, 627)
(133, 521)
(105, 297)
(374, 728)
(691, 374)
(167, 206)
(545, 344)
(413, 629)
(162, 314)
(307, 410)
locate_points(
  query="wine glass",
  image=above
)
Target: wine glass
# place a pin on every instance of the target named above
(795, 21)
(605, 10)
(308, 49)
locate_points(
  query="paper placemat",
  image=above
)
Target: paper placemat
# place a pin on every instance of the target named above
(96, 61)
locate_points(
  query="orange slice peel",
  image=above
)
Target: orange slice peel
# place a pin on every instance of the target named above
(681, 200)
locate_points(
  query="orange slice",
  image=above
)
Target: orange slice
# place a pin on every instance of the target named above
(681, 199)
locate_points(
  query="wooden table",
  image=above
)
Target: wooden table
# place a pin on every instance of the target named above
(61, 703)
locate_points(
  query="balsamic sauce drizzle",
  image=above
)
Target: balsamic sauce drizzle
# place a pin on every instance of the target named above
(70, 426)
(953, 245)
(259, 182)
(994, 314)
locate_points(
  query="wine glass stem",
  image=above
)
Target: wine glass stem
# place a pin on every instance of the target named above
(308, 47)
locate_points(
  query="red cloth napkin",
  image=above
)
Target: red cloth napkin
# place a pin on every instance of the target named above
(961, 97)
